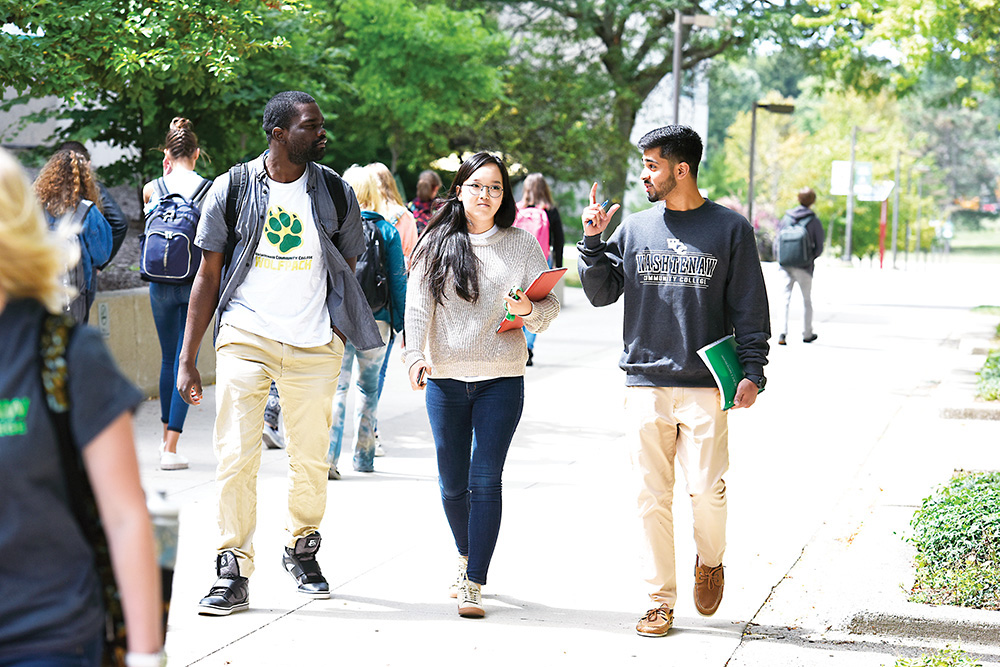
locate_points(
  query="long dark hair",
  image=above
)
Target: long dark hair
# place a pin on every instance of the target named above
(445, 247)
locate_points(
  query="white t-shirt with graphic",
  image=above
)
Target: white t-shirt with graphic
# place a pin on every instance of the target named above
(283, 296)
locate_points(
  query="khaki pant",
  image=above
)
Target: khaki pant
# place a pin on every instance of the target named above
(306, 379)
(685, 423)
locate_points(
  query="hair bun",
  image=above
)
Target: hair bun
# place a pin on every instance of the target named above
(180, 123)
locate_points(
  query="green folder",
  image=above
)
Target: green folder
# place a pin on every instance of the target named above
(722, 360)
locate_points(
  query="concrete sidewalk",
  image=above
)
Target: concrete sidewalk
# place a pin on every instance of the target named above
(825, 472)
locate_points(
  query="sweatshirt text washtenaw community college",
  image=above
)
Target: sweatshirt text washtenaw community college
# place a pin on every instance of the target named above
(689, 278)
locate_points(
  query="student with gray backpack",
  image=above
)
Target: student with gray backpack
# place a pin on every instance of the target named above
(168, 260)
(799, 241)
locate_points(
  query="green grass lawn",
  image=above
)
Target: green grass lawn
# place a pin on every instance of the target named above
(980, 245)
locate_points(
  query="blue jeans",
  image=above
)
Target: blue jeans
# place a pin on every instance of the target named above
(369, 364)
(385, 367)
(473, 424)
(170, 306)
(87, 655)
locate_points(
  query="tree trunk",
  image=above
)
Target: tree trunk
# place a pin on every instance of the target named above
(618, 158)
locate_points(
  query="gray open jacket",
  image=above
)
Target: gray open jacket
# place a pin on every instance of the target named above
(345, 300)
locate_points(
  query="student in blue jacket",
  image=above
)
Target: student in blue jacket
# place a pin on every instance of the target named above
(369, 362)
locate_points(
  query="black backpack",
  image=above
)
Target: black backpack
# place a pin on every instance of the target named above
(371, 267)
(795, 245)
(167, 253)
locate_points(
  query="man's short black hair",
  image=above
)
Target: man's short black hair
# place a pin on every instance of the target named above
(677, 143)
(280, 109)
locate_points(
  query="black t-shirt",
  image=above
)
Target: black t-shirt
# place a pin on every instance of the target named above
(49, 597)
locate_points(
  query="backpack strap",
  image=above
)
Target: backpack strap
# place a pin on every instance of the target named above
(55, 334)
(238, 180)
(201, 192)
(161, 188)
(335, 184)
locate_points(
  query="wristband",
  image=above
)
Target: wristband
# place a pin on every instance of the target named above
(145, 659)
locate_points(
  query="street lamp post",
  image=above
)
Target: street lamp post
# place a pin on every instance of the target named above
(699, 21)
(895, 211)
(850, 198)
(773, 108)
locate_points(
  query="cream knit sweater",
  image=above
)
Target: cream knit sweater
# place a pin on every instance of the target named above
(459, 339)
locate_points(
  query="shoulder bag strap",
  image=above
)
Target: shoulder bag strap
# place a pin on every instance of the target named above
(56, 331)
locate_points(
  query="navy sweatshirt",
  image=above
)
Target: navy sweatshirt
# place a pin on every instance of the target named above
(689, 278)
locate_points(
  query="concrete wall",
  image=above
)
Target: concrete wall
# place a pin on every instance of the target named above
(126, 321)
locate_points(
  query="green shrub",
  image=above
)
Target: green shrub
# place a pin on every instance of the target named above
(946, 657)
(988, 384)
(956, 533)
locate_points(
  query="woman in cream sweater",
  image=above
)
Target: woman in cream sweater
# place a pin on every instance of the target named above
(461, 271)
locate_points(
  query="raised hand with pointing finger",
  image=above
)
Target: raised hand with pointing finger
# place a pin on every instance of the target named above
(595, 218)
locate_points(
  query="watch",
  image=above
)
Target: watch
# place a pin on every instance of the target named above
(758, 380)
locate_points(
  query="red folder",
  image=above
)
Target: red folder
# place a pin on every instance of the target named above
(538, 290)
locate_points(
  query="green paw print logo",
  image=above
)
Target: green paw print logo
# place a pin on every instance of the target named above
(283, 230)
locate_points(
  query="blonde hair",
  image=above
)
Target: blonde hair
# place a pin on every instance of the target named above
(64, 180)
(387, 186)
(34, 258)
(365, 186)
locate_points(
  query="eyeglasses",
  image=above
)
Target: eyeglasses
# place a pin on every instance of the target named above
(477, 189)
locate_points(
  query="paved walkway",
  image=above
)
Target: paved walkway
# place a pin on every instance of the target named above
(825, 472)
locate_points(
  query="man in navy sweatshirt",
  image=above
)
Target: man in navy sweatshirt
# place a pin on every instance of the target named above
(690, 274)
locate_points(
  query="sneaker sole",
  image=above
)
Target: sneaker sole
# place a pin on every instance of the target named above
(652, 634)
(314, 595)
(471, 612)
(209, 610)
(174, 466)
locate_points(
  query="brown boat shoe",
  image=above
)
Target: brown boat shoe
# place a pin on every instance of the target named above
(656, 622)
(708, 585)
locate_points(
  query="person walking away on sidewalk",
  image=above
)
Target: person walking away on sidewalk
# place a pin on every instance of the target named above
(67, 189)
(690, 274)
(169, 300)
(386, 248)
(109, 207)
(277, 274)
(537, 193)
(425, 203)
(390, 206)
(810, 246)
(536, 213)
(50, 611)
(462, 271)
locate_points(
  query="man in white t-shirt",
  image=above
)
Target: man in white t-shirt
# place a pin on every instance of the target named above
(278, 273)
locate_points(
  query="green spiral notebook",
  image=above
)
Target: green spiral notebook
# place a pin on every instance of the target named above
(722, 360)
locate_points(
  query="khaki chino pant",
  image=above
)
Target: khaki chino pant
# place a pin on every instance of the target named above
(306, 379)
(686, 424)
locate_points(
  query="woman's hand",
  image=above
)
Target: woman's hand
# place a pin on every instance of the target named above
(419, 372)
(521, 305)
